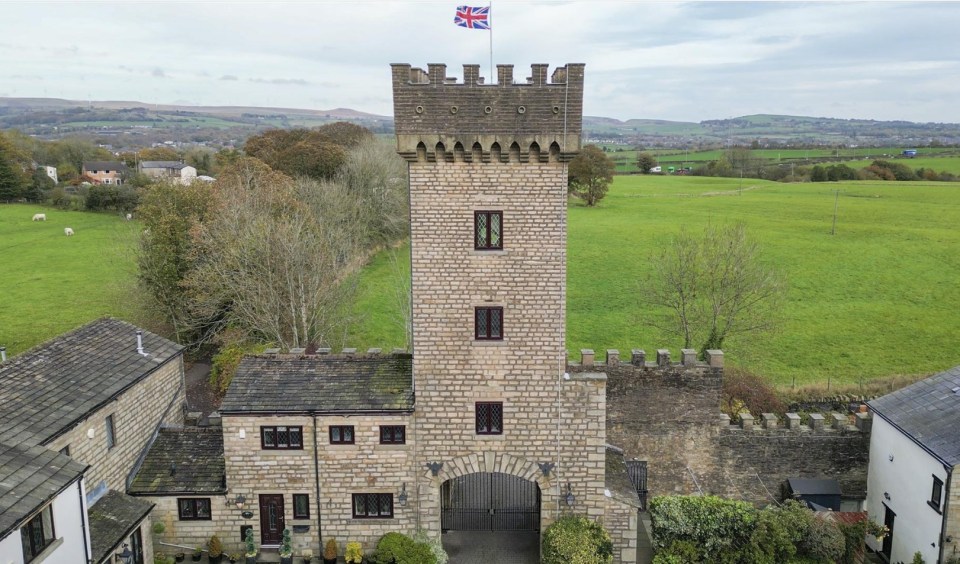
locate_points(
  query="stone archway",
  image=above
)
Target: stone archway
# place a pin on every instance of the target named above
(489, 501)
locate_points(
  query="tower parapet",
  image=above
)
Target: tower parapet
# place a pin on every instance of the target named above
(438, 119)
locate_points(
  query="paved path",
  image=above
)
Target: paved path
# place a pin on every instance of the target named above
(492, 547)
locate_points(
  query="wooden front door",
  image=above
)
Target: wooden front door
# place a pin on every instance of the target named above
(271, 519)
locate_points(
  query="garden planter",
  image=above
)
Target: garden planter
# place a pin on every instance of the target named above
(179, 557)
(196, 557)
(215, 559)
(251, 560)
(286, 559)
(329, 561)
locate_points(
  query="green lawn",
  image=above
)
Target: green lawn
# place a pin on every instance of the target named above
(51, 283)
(879, 298)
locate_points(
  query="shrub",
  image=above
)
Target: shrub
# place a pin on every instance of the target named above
(353, 553)
(824, 541)
(679, 552)
(717, 526)
(215, 546)
(330, 550)
(224, 364)
(574, 539)
(778, 531)
(745, 391)
(918, 558)
(397, 548)
(436, 547)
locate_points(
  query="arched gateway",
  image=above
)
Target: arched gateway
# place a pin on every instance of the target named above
(489, 501)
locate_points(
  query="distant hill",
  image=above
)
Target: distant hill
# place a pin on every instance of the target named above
(119, 124)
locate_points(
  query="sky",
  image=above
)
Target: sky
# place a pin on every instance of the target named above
(650, 60)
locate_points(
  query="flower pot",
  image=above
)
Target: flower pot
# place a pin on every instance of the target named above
(286, 559)
(215, 559)
(196, 557)
(329, 561)
(179, 557)
(251, 559)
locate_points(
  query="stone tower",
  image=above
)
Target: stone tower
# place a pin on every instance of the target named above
(488, 194)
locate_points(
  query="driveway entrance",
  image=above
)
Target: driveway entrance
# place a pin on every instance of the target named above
(491, 517)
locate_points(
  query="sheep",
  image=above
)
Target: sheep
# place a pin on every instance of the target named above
(39, 217)
(129, 216)
(67, 231)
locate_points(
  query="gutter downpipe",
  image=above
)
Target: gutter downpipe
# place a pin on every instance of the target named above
(316, 476)
(943, 523)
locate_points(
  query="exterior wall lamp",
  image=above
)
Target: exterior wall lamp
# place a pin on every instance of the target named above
(569, 498)
(125, 556)
(402, 498)
(886, 496)
(238, 501)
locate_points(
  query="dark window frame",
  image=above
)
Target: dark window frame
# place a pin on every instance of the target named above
(487, 427)
(936, 495)
(273, 443)
(342, 431)
(488, 313)
(371, 500)
(194, 504)
(305, 500)
(33, 537)
(389, 434)
(484, 241)
(111, 431)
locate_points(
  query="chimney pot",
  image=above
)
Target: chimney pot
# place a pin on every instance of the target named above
(139, 341)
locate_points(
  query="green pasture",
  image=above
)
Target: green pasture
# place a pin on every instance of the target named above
(878, 298)
(945, 163)
(51, 283)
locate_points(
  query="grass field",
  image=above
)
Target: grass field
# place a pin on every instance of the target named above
(879, 298)
(50, 283)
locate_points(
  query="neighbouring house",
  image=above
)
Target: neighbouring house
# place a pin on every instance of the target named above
(98, 394)
(104, 172)
(43, 513)
(171, 170)
(50, 171)
(914, 453)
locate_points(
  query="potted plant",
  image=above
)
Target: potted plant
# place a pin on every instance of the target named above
(179, 557)
(353, 553)
(307, 555)
(234, 557)
(330, 552)
(215, 550)
(251, 547)
(197, 554)
(286, 551)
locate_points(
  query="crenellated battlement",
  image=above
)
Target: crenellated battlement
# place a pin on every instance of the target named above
(638, 358)
(438, 119)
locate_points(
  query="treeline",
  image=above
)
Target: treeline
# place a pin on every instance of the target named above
(269, 252)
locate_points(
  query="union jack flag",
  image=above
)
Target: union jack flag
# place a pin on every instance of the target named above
(473, 17)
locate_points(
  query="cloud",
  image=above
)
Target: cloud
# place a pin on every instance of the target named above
(158, 72)
(280, 81)
(228, 77)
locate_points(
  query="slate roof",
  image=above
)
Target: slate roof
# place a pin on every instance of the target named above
(52, 387)
(30, 476)
(322, 383)
(814, 486)
(195, 456)
(928, 412)
(112, 519)
(162, 164)
(617, 483)
(104, 165)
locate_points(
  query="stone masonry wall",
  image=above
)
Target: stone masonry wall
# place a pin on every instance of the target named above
(527, 278)
(136, 414)
(182, 536)
(952, 549)
(667, 413)
(621, 521)
(364, 467)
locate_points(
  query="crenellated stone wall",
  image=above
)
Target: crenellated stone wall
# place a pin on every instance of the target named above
(137, 413)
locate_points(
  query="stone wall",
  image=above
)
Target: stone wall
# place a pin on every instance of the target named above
(183, 536)
(952, 549)
(668, 413)
(620, 520)
(364, 467)
(137, 412)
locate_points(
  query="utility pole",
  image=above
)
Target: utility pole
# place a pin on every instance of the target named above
(836, 200)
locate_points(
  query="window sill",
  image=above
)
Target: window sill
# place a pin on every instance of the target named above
(935, 507)
(47, 552)
(490, 253)
(480, 437)
(490, 343)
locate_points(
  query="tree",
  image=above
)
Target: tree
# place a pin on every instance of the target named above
(158, 154)
(740, 158)
(590, 174)
(316, 153)
(11, 176)
(645, 162)
(275, 257)
(169, 213)
(713, 286)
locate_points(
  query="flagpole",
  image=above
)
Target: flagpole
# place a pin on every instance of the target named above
(490, 19)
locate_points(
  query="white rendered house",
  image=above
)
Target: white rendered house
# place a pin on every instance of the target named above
(914, 451)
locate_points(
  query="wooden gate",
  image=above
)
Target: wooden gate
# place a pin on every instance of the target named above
(490, 501)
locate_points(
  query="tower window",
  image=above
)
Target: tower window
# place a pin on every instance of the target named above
(489, 418)
(488, 323)
(488, 230)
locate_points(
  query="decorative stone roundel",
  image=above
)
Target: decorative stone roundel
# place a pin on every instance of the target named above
(454, 109)
(556, 109)
(419, 109)
(487, 110)
(521, 110)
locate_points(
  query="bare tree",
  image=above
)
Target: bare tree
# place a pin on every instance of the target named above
(713, 286)
(276, 256)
